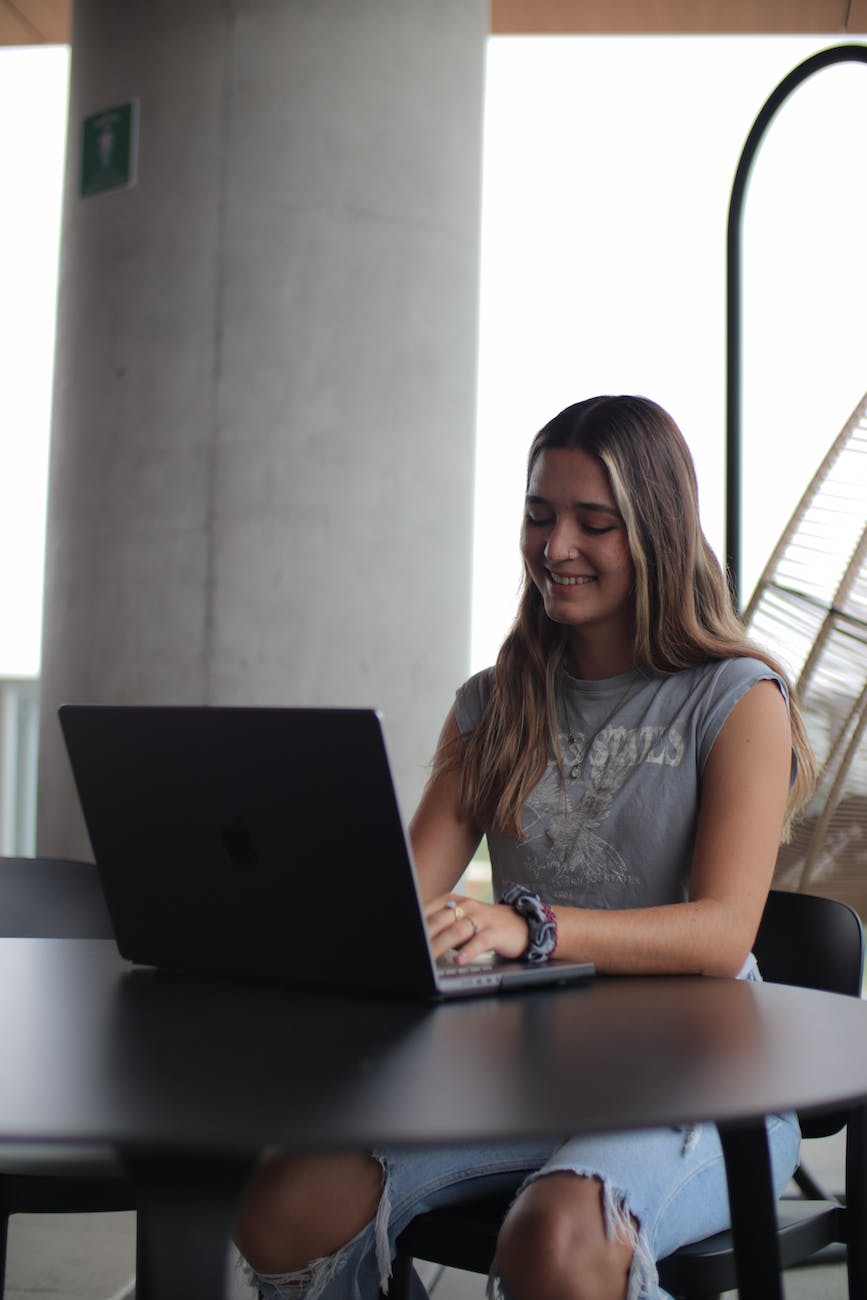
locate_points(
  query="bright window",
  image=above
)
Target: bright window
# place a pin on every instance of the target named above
(33, 93)
(608, 167)
(608, 170)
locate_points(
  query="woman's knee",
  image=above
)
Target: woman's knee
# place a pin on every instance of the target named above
(554, 1243)
(300, 1208)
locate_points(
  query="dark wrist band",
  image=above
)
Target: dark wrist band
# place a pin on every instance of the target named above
(541, 922)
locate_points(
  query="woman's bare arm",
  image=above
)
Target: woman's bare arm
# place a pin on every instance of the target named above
(443, 839)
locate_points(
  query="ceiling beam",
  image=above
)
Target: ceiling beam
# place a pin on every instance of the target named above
(35, 22)
(48, 22)
(676, 17)
(857, 19)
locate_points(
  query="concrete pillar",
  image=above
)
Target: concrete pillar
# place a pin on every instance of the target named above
(262, 440)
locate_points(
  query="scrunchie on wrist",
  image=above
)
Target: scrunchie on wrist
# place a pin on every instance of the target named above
(541, 922)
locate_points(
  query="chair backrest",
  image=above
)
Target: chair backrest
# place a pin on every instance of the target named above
(814, 943)
(52, 898)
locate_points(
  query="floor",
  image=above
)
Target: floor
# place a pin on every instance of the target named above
(91, 1257)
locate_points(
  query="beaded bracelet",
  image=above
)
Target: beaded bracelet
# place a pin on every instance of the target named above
(541, 922)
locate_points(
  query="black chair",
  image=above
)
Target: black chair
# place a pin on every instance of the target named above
(57, 899)
(803, 940)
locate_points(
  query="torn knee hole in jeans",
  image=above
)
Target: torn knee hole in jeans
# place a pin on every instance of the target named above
(618, 1222)
(312, 1280)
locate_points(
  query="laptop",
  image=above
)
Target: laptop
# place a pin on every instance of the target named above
(263, 842)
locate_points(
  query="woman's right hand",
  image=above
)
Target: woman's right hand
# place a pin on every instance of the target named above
(472, 928)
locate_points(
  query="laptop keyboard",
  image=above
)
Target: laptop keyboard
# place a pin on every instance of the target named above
(447, 966)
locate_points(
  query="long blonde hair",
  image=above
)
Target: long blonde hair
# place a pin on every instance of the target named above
(683, 610)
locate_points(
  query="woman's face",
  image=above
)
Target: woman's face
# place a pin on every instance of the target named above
(574, 543)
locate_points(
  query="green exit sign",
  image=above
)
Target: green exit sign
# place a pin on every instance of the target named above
(109, 149)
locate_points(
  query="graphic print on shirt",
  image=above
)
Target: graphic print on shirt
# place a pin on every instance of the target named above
(580, 862)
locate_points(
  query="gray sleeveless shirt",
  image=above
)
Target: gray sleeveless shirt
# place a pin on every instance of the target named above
(616, 826)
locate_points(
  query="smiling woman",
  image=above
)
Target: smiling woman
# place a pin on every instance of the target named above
(628, 760)
(575, 547)
(656, 602)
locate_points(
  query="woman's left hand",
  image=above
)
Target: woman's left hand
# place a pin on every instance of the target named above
(472, 928)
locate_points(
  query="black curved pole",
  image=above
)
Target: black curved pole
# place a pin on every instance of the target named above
(734, 358)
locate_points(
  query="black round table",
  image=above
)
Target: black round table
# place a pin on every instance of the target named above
(191, 1077)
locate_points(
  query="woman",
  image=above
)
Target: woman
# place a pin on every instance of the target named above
(633, 761)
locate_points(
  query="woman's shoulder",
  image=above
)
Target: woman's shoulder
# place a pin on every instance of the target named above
(711, 680)
(738, 673)
(717, 687)
(710, 690)
(471, 698)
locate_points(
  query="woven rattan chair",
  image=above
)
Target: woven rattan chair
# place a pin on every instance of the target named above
(810, 609)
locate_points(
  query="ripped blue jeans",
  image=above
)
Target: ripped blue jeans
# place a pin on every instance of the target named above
(672, 1182)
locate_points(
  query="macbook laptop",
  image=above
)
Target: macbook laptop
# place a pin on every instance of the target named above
(263, 842)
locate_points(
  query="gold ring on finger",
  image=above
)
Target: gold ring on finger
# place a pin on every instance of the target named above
(459, 913)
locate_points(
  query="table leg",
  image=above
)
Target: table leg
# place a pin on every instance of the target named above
(186, 1212)
(856, 1200)
(753, 1210)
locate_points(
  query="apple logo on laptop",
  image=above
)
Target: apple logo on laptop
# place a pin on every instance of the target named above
(238, 843)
